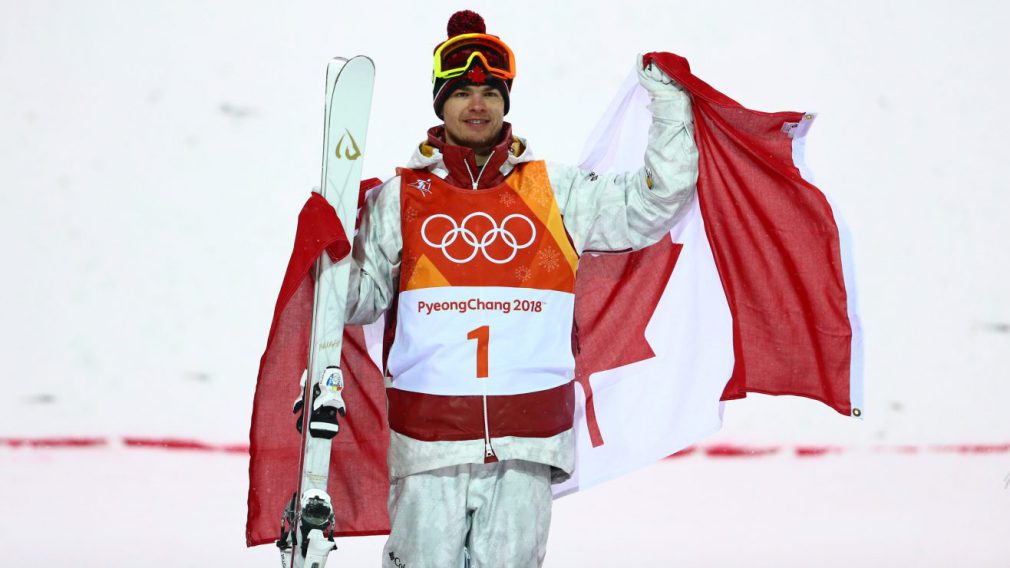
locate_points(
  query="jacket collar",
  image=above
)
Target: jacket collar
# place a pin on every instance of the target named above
(458, 165)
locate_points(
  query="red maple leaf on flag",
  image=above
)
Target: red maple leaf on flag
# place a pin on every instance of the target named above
(615, 297)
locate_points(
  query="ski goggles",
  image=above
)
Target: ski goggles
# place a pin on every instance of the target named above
(457, 54)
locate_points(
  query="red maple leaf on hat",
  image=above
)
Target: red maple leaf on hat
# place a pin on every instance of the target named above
(476, 75)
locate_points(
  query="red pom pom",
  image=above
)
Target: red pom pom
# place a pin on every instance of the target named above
(465, 22)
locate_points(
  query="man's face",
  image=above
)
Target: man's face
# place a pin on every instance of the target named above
(473, 116)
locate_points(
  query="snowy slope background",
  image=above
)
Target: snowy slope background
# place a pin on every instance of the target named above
(154, 155)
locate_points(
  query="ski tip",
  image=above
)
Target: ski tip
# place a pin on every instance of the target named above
(342, 60)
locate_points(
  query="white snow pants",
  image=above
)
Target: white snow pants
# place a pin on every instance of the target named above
(495, 514)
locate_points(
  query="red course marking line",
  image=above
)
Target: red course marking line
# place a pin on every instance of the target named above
(53, 442)
(737, 451)
(974, 448)
(712, 451)
(897, 449)
(815, 451)
(179, 444)
(683, 453)
(733, 451)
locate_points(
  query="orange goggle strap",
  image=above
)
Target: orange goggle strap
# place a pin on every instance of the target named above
(474, 42)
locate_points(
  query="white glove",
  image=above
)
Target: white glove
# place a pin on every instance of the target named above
(658, 84)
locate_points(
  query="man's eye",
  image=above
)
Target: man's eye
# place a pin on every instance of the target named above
(460, 94)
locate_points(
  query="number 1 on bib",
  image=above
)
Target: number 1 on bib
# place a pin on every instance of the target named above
(482, 335)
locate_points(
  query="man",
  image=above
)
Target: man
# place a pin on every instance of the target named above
(472, 250)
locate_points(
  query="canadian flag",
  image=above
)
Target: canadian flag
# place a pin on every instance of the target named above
(753, 291)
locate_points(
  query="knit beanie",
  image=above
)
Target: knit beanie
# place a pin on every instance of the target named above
(493, 50)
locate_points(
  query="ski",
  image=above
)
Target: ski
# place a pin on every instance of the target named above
(307, 523)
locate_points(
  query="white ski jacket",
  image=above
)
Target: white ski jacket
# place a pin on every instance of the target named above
(601, 213)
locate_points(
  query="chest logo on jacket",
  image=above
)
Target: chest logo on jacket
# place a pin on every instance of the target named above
(459, 242)
(422, 185)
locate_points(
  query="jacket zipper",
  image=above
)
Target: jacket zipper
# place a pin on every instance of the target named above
(480, 173)
(488, 450)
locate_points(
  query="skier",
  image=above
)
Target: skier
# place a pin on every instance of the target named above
(472, 251)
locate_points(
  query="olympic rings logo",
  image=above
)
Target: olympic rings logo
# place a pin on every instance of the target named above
(461, 231)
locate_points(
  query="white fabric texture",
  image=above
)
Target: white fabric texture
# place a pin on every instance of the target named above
(408, 456)
(500, 512)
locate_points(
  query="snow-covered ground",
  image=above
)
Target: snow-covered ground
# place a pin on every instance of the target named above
(153, 156)
(119, 507)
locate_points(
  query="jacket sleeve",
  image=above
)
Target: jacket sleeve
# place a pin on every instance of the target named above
(630, 211)
(375, 265)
